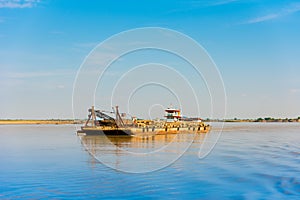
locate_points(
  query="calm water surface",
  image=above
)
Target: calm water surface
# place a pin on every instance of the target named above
(250, 161)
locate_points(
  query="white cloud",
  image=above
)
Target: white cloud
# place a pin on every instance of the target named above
(193, 5)
(24, 75)
(18, 75)
(86, 44)
(18, 3)
(263, 18)
(294, 91)
(292, 8)
(224, 2)
(208, 3)
(60, 86)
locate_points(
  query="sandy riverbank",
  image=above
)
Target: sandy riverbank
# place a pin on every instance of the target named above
(7, 122)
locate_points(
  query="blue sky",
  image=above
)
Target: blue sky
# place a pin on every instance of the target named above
(255, 44)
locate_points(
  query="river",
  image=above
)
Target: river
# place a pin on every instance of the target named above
(249, 161)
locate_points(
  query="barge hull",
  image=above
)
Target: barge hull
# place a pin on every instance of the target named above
(105, 132)
(134, 131)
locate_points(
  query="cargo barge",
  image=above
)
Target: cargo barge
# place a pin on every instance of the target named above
(100, 123)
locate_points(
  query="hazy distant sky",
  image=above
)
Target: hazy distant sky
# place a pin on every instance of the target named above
(255, 44)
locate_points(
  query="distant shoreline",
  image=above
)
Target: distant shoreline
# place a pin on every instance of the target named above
(78, 121)
(261, 120)
(37, 122)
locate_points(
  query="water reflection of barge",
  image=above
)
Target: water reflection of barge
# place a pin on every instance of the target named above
(101, 123)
